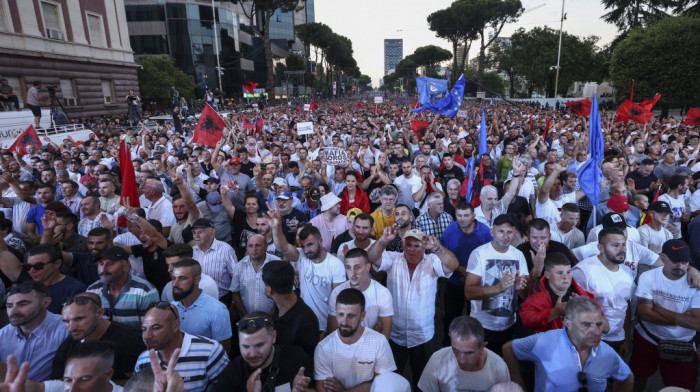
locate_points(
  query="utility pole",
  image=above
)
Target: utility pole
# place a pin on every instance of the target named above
(219, 70)
(561, 28)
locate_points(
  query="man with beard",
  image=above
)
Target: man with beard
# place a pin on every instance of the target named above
(264, 365)
(572, 358)
(179, 252)
(93, 217)
(412, 279)
(200, 361)
(64, 233)
(125, 297)
(403, 218)
(379, 307)
(330, 223)
(291, 218)
(34, 333)
(98, 240)
(362, 228)
(185, 211)
(247, 285)
(409, 185)
(353, 355)
(319, 271)
(46, 193)
(200, 314)
(606, 276)
(82, 316)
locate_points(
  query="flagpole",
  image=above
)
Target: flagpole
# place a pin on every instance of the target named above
(561, 28)
(216, 46)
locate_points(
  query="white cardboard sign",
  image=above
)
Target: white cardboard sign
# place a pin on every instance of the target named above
(335, 156)
(378, 99)
(305, 128)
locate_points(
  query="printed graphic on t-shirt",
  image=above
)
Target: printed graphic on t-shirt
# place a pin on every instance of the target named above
(502, 304)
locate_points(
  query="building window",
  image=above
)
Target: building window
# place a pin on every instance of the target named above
(2, 17)
(96, 30)
(69, 92)
(51, 14)
(108, 91)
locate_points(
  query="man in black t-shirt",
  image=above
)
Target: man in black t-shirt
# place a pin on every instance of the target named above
(291, 217)
(82, 316)
(262, 362)
(539, 245)
(450, 171)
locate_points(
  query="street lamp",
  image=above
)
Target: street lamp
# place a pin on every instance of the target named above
(561, 28)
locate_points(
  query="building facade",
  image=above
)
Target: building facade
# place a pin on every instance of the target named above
(81, 48)
(393, 53)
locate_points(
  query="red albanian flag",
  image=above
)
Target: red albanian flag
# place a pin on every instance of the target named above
(336, 112)
(419, 127)
(28, 137)
(376, 109)
(210, 128)
(313, 105)
(649, 103)
(130, 193)
(635, 112)
(259, 124)
(693, 117)
(298, 110)
(250, 86)
(247, 124)
(359, 106)
(581, 107)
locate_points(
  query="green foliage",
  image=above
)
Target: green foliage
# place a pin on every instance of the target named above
(363, 81)
(661, 58)
(430, 56)
(630, 14)
(452, 26)
(158, 74)
(294, 62)
(493, 86)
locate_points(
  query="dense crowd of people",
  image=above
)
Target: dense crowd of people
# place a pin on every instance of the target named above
(258, 263)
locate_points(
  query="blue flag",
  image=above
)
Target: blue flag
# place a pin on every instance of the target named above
(589, 174)
(482, 134)
(469, 171)
(428, 87)
(449, 105)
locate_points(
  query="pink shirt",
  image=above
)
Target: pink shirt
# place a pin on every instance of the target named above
(330, 230)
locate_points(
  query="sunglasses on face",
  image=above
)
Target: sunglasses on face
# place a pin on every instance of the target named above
(37, 266)
(253, 323)
(80, 300)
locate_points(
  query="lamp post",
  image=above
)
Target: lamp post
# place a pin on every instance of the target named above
(561, 28)
(219, 70)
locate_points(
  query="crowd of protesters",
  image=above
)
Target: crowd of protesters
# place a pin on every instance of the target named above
(255, 264)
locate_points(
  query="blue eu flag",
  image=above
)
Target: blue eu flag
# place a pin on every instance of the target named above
(589, 174)
(449, 105)
(427, 87)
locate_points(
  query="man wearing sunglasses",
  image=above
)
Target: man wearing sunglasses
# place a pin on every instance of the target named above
(34, 333)
(82, 316)
(572, 358)
(264, 364)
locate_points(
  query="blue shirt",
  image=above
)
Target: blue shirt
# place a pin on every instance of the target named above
(34, 216)
(39, 348)
(462, 245)
(310, 213)
(205, 317)
(557, 362)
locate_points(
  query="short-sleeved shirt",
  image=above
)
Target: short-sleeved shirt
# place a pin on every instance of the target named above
(353, 364)
(573, 239)
(206, 283)
(430, 226)
(205, 317)
(653, 239)
(677, 209)
(381, 221)
(316, 282)
(442, 373)
(154, 266)
(34, 216)
(557, 362)
(462, 244)
(162, 210)
(407, 187)
(330, 230)
(200, 362)
(414, 298)
(378, 302)
(636, 254)
(550, 210)
(291, 222)
(131, 303)
(250, 285)
(496, 313)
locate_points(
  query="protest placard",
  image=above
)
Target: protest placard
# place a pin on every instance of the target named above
(305, 128)
(335, 156)
(307, 107)
(378, 99)
(462, 114)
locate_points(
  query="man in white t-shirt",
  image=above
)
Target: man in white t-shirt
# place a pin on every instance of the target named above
(654, 234)
(550, 199)
(669, 309)
(351, 356)
(617, 204)
(362, 228)
(379, 308)
(611, 282)
(467, 362)
(675, 197)
(565, 230)
(495, 272)
(409, 185)
(319, 271)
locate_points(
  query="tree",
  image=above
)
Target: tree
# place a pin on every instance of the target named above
(627, 15)
(480, 14)
(158, 73)
(501, 57)
(265, 9)
(449, 24)
(661, 58)
(430, 56)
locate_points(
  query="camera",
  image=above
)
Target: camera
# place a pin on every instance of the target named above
(52, 89)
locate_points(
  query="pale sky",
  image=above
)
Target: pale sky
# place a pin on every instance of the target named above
(368, 22)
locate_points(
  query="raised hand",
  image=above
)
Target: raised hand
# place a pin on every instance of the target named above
(274, 218)
(301, 382)
(254, 384)
(538, 258)
(165, 380)
(48, 220)
(14, 377)
(391, 232)
(106, 222)
(430, 242)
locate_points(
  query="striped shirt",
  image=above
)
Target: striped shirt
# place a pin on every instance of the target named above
(218, 262)
(427, 224)
(132, 302)
(250, 284)
(200, 363)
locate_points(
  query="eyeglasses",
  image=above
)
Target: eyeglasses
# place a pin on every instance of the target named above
(80, 300)
(164, 305)
(583, 380)
(37, 266)
(253, 323)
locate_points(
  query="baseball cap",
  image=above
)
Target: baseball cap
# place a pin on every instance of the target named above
(279, 181)
(660, 206)
(314, 194)
(214, 202)
(234, 161)
(211, 179)
(618, 203)
(202, 223)
(285, 195)
(415, 233)
(353, 212)
(114, 253)
(677, 251)
(328, 201)
(613, 219)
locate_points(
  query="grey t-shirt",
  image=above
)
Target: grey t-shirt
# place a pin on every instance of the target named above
(242, 184)
(664, 172)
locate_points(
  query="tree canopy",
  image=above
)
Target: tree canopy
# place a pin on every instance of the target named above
(452, 26)
(661, 58)
(158, 74)
(430, 56)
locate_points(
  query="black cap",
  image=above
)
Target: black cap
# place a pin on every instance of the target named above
(614, 219)
(677, 251)
(505, 218)
(202, 223)
(211, 179)
(660, 206)
(314, 194)
(114, 253)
